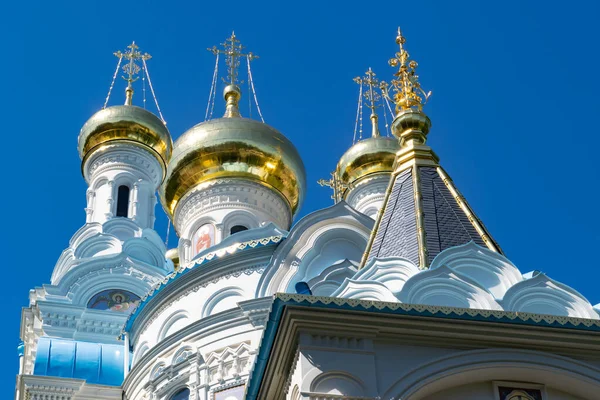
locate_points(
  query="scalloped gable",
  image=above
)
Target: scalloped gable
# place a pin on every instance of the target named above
(364, 290)
(393, 272)
(290, 262)
(471, 276)
(541, 294)
(489, 269)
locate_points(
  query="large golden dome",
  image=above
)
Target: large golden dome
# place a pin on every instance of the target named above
(367, 157)
(234, 147)
(126, 123)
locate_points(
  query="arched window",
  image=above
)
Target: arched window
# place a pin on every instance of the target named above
(123, 201)
(237, 228)
(183, 394)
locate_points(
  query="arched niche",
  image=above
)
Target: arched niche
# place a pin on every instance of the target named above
(320, 240)
(443, 374)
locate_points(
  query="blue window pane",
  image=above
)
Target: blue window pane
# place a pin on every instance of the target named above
(183, 394)
(302, 288)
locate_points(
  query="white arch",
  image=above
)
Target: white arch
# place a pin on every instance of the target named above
(177, 319)
(443, 373)
(227, 294)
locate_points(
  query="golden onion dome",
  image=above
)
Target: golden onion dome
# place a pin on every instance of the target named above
(173, 255)
(234, 147)
(367, 157)
(126, 123)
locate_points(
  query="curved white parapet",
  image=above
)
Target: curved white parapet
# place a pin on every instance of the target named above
(467, 276)
(444, 287)
(365, 290)
(542, 295)
(332, 278)
(318, 241)
(393, 272)
(489, 269)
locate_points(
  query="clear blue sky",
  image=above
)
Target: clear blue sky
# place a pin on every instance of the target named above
(515, 95)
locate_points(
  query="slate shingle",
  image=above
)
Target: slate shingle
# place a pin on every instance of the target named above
(446, 225)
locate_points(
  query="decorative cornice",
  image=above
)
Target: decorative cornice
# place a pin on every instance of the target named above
(123, 156)
(217, 194)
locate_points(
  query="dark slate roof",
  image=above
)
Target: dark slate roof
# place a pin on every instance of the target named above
(397, 231)
(446, 225)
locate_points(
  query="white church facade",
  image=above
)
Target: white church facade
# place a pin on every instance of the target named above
(397, 291)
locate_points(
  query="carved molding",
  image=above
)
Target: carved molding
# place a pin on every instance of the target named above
(231, 193)
(124, 157)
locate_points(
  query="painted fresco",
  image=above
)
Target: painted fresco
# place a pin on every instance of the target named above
(114, 300)
(203, 238)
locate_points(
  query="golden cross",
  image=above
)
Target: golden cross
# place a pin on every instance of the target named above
(232, 48)
(131, 69)
(407, 86)
(371, 95)
(335, 184)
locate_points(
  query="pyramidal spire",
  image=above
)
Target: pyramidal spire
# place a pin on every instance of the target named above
(423, 212)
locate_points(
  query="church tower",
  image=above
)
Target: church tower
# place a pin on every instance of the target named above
(72, 326)
(230, 174)
(363, 172)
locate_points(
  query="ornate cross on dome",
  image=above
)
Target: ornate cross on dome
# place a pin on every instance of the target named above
(407, 86)
(232, 48)
(335, 184)
(131, 69)
(372, 97)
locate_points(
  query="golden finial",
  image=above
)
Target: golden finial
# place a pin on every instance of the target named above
(372, 97)
(131, 69)
(406, 84)
(232, 48)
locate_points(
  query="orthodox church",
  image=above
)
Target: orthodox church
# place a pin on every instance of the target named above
(397, 291)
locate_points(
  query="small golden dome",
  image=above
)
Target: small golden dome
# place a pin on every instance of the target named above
(234, 148)
(126, 123)
(367, 157)
(173, 255)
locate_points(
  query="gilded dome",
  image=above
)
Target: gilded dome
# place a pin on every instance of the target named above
(126, 123)
(367, 157)
(234, 148)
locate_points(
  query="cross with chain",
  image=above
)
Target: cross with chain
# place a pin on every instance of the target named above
(232, 48)
(371, 95)
(131, 69)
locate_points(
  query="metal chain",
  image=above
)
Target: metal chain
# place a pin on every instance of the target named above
(168, 233)
(152, 91)
(357, 114)
(254, 91)
(112, 83)
(212, 90)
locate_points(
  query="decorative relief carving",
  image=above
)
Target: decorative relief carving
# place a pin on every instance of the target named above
(46, 392)
(224, 193)
(127, 158)
(229, 363)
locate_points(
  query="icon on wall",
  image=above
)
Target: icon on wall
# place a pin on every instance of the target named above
(203, 238)
(114, 300)
(234, 393)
